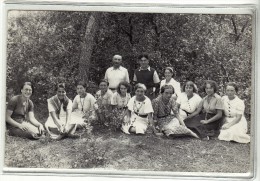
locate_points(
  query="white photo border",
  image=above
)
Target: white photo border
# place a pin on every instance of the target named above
(249, 8)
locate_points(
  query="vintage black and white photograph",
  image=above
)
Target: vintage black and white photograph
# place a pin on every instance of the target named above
(124, 91)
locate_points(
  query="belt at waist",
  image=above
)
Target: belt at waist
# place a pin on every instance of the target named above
(186, 112)
(142, 116)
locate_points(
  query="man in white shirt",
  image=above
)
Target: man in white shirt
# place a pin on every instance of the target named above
(116, 74)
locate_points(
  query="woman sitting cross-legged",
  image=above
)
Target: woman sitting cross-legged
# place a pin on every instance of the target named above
(119, 103)
(59, 123)
(188, 101)
(83, 107)
(166, 114)
(20, 116)
(235, 124)
(139, 112)
(206, 120)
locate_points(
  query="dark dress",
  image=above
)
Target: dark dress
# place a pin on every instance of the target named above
(209, 110)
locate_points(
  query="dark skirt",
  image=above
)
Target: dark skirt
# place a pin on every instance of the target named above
(203, 130)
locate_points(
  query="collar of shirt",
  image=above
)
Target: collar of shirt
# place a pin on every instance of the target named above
(119, 68)
(148, 68)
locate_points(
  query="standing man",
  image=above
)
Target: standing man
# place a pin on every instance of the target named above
(116, 74)
(147, 76)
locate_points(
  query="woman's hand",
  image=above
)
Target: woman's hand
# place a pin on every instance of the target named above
(41, 129)
(204, 122)
(23, 127)
(226, 126)
(61, 128)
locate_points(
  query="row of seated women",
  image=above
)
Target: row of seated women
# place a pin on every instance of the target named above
(188, 115)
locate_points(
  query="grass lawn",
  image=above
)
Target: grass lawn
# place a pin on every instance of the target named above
(115, 150)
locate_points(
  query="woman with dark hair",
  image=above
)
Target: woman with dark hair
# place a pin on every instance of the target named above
(166, 114)
(103, 103)
(119, 103)
(20, 115)
(59, 122)
(206, 120)
(83, 106)
(169, 80)
(139, 112)
(188, 101)
(235, 124)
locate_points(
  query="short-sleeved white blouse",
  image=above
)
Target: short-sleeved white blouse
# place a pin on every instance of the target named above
(142, 108)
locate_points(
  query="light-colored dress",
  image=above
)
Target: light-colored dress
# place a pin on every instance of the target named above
(188, 106)
(176, 85)
(119, 112)
(139, 115)
(57, 107)
(238, 131)
(83, 108)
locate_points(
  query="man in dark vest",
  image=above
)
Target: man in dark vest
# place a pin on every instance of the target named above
(147, 76)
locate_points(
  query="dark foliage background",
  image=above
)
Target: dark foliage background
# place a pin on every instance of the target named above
(47, 47)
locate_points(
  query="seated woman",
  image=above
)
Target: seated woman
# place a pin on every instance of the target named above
(59, 122)
(235, 124)
(83, 105)
(169, 80)
(189, 100)
(166, 114)
(20, 116)
(139, 112)
(206, 120)
(119, 103)
(103, 104)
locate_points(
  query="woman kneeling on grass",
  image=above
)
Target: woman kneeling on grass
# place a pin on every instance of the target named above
(206, 120)
(139, 112)
(83, 107)
(235, 124)
(20, 116)
(59, 123)
(166, 114)
(119, 103)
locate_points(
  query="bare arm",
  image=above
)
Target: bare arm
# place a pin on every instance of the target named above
(55, 120)
(235, 121)
(35, 122)
(13, 122)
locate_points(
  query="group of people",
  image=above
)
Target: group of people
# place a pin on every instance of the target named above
(171, 113)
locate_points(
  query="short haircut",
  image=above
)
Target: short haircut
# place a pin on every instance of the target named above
(144, 55)
(82, 83)
(27, 83)
(190, 83)
(126, 84)
(233, 84)
(60, 85)
(171, 70)
(164, 87)
(104, 80)
(139, 85)
(212, 83)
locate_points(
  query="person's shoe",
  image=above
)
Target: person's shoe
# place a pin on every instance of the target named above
(205, 138)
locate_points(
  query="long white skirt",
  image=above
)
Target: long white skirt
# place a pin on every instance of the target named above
(236, 132)
(140, 124)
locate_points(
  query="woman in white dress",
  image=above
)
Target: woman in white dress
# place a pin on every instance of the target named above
(59, 122)
(83, 106)
(139, 113)
(188, 101)
(169, 80)
(235, 124)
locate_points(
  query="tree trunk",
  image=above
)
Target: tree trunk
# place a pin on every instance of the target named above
(87, 47)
